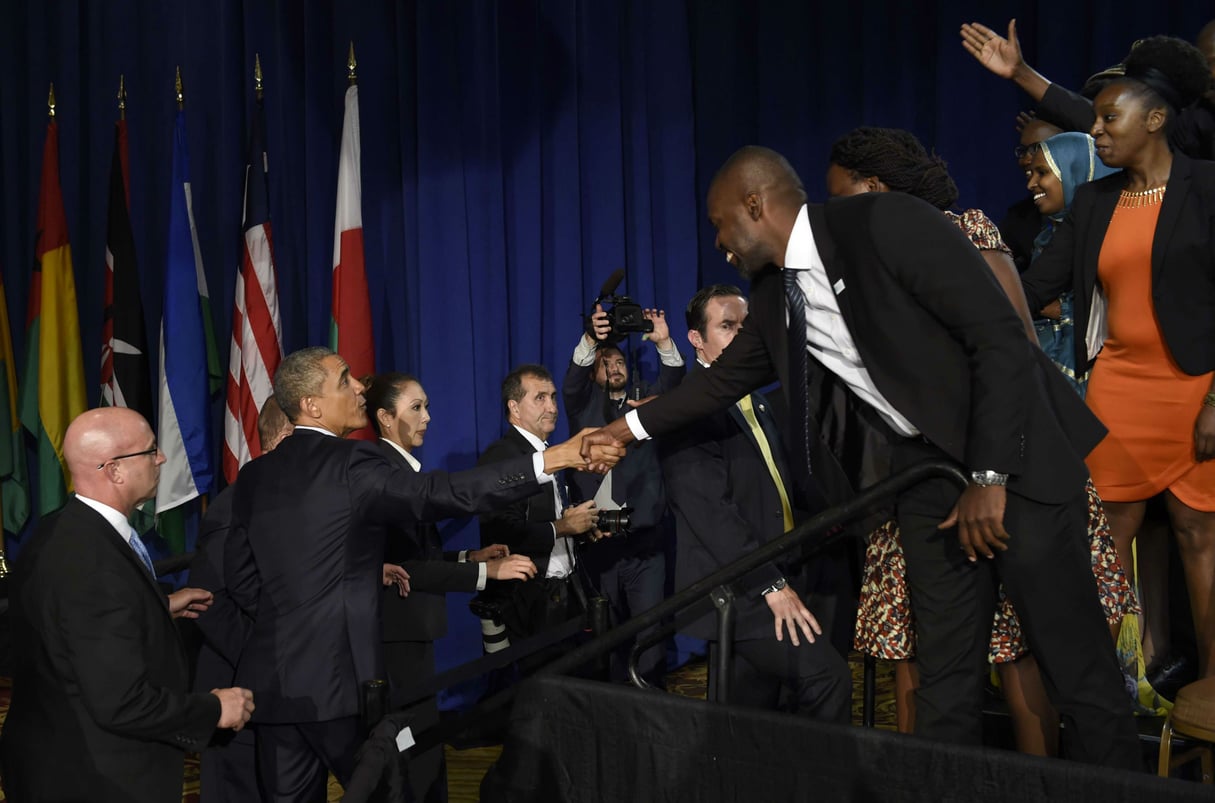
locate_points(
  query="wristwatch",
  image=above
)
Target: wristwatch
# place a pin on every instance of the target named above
(777, 586)
(985, 479)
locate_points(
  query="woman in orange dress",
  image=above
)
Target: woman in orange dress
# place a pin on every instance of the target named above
(1138, 248)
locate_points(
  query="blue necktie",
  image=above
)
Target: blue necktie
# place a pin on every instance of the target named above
(142, 552)
(795, 303)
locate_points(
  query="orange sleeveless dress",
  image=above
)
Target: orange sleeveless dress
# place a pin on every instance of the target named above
(1148, 404)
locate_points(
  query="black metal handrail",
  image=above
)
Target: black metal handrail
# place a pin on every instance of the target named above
(824, 522)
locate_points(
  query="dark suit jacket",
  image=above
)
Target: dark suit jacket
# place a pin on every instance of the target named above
(725, 506)
(421, 616)
(101, 708)
(940, 341)
(1183, 260)
(524, 525)
(224, 626)
(304, 559)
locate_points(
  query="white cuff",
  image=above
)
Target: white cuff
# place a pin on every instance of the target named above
(584, 355)
(482, 573)
(634, 421)
(538, 467)
(462, 556)
(672, 358)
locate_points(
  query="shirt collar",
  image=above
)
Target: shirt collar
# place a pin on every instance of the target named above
(801, 252)
(118, 521)
(316, 429)
(409, 458)
(536, 443)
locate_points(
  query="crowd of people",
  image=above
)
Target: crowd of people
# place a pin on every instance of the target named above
(1065, 359)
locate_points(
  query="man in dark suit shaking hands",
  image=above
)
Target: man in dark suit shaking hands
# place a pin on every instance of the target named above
(900, 347)
(305, 557)
(101, 705)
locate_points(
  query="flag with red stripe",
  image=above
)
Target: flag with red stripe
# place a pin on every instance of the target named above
(257, 332)
(126, 371)
(350, 325)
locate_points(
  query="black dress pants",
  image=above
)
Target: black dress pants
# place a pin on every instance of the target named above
(1047, 575)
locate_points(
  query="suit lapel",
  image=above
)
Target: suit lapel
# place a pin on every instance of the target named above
(1103, 212)
(825, 244)
(121, 548)
(1170, 213)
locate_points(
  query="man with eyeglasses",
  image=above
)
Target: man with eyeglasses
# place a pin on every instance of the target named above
(101, 708)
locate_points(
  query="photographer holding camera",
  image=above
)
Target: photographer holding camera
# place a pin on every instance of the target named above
(628, 565)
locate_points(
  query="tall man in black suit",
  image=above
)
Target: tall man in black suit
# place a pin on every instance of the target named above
(540, 526)
(726, 483)
(229, 766)
(629, 569)
(101, 707)
(902, 342)
(305, 559)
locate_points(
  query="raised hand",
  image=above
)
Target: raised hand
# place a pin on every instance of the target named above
(661, 336)
(999, 54)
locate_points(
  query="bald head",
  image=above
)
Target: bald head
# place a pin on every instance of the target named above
(753, 202)
(112, 457)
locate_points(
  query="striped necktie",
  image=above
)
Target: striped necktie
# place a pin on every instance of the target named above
(746, 406)
(142, 552)
(798, 361)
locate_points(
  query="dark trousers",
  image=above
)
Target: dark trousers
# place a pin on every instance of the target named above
(633, 585)
(229, 771)
(1047, 575)
(410, 664)
(811, 680)
(294, 760)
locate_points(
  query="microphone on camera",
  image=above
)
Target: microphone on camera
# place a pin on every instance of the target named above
(609, 287)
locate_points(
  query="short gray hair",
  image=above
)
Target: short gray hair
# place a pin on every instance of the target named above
(300, 374)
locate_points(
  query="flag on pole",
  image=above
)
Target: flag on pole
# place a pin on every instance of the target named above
(52, 387)
(257, 333)
(185, 419)
(126, 372)
(14, 478)
(350, 324)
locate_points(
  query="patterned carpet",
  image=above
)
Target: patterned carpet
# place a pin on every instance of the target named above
(465, 768)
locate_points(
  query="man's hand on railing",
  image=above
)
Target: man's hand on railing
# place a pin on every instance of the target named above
(791, 613)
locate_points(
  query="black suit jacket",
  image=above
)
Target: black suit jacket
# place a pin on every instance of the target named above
(101, 708)
(421, 616)
(1183, 260)
(524, 525)
(224, 626)
(304, 559)
(725, 506)
(940, 341)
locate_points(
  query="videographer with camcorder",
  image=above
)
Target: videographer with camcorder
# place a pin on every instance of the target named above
(628, 563)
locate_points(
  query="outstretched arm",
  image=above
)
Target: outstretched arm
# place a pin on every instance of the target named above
(1003, 56)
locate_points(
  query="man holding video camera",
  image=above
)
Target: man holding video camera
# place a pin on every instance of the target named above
(628, 566)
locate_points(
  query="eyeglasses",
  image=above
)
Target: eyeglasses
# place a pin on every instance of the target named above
(155, 448)
(1022, 151)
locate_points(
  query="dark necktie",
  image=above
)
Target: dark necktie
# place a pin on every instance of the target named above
(795, 304)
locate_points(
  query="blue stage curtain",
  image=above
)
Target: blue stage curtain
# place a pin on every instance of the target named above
(514, 153)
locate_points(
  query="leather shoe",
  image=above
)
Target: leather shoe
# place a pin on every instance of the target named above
(1171, 674)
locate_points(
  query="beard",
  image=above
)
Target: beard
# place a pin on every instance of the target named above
(616, 383)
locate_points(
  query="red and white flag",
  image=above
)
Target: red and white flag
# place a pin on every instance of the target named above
(350, 324)
(257, 332)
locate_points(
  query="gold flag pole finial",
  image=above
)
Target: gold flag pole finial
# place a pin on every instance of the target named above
(181, 98)
(122, 97)
(351, 78)
(50, 101)
(257, 76)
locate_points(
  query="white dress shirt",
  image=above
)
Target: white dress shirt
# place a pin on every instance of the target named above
(560, 562)
(118, 521)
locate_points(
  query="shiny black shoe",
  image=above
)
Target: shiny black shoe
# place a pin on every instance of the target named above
(1171, 675)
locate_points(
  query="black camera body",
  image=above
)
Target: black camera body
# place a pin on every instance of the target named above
(616, 522)
(626, 315)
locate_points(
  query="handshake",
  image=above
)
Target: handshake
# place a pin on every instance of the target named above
(595, 450)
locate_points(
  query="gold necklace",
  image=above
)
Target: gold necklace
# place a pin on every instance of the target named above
(1141, 198)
